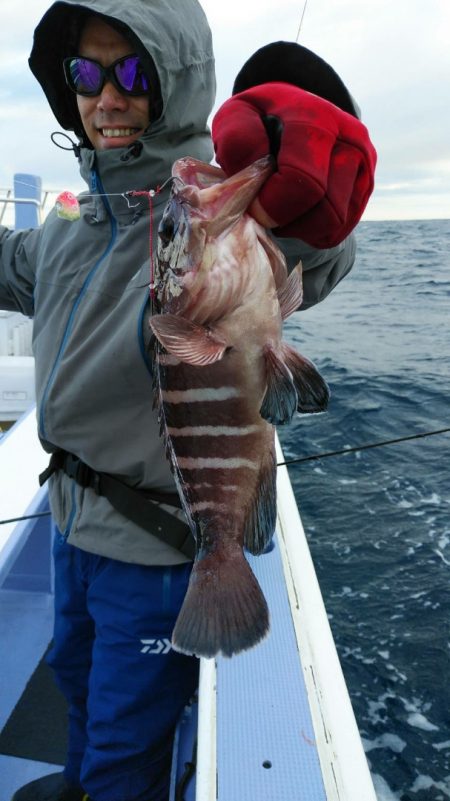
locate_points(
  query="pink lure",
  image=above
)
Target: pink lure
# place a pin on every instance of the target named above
(67, 206)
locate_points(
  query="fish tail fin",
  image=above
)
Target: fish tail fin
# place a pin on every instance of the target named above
(224, 609)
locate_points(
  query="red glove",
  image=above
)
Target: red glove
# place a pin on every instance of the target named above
(325, 160)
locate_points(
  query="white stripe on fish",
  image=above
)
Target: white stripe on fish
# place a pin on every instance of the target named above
(199, 395)
(203, 505)
(212, 431)
(204, 463)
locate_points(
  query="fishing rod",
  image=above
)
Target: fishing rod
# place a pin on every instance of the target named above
(312, 457)
(381, 444)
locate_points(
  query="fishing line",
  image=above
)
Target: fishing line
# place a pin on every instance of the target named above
(150, 195)
(381, 444)
(301, 21)
(296, 461)
(128, 193)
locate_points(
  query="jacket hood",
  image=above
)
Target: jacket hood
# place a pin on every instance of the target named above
(172, 37)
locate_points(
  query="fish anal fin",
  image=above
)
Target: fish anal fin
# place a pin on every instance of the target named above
(260, 523)
(188, 341)
(224, 610)
(280, 400)
(290, 295)
(312, 391)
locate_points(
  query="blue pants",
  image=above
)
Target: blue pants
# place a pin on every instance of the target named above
(125, 686)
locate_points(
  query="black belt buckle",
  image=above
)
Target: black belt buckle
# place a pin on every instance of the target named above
(81, 472)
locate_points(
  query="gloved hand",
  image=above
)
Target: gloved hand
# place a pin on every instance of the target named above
(325, 160)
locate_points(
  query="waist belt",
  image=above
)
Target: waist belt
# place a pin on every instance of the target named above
(139, 506)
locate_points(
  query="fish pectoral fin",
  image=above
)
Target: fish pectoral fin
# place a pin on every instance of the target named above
(312, 391)
(290, 295)
(280, 401)
(224, 610)
(189, 342)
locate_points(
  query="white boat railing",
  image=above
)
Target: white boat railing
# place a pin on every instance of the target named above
(27, 204)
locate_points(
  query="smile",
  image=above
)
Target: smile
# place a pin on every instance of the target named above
(112, 132)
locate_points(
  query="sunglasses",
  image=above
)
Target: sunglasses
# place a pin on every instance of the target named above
(87, 77)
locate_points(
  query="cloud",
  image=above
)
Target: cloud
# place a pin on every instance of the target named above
(395, 60)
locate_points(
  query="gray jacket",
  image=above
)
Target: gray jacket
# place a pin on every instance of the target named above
(85, 283)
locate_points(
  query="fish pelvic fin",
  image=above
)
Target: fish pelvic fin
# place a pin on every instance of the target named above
(312, 391)
(280, 400)
(191, 343)
(261, 522)
(224, 610)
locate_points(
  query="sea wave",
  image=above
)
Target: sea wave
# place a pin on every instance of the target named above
(377, 520)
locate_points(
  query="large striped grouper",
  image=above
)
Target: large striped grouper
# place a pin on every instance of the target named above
(224, 378)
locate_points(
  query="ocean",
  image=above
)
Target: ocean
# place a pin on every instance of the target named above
(378, 520)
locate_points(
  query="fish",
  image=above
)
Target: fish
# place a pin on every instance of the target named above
(224, 378)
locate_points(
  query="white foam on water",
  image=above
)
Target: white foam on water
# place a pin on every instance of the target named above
(441, 746)
(441, 556)
(434, 499)
(375, 707)
(419, 721)
(444, 540)
(427, 783)
(382, 789)
(390, 741)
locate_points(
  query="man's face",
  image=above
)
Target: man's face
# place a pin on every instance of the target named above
(110, 119)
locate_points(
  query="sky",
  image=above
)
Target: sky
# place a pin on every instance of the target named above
(393, 57)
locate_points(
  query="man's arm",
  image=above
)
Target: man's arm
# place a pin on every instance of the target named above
(322, 269)
(17, 278)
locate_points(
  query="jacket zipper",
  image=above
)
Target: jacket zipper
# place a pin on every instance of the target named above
(96, 184)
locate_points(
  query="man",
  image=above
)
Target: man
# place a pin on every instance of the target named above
(136, 86)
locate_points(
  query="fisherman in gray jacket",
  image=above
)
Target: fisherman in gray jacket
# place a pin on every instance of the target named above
(135, 83)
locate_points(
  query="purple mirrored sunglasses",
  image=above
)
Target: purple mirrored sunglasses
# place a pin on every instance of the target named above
(87, 77)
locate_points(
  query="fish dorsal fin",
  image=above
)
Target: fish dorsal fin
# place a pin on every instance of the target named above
(290, 295)
(189, 342)
(223, 201)
(276, 258)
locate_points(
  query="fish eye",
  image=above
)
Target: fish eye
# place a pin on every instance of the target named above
(166, 230)
(169, 224)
